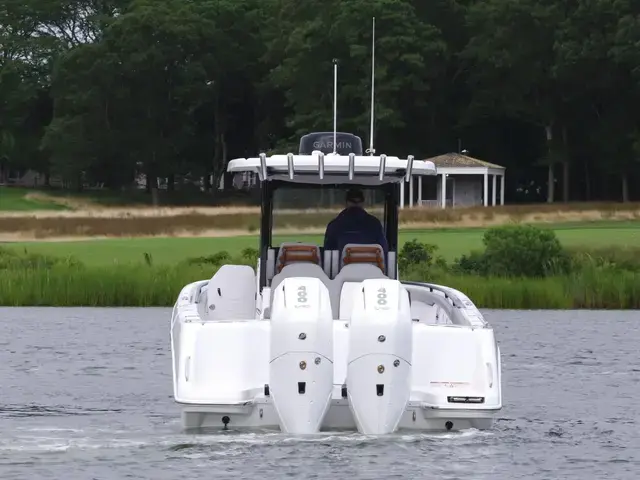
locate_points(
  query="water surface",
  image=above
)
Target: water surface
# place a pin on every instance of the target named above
(87, 394)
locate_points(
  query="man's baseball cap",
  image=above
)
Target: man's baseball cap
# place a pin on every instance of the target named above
(355, 195)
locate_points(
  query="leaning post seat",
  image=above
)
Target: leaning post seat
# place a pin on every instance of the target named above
(358, 263)
(353, 253)
(289, 253)
(299, 260)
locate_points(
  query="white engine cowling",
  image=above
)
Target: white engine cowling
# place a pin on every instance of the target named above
(380, 352)
(301, 358)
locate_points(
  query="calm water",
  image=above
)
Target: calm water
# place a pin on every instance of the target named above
(86, 394)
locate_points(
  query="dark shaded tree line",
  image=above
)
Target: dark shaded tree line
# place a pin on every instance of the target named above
(100, 91)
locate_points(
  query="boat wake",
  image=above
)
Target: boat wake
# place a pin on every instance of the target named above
(34, 410)
(61, 440)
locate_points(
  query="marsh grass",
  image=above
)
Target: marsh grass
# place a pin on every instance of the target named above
(620, 257)
(28, 279)
(37, 280)
(142, 223)
(589, 288)
(146, 286)
(115, 286)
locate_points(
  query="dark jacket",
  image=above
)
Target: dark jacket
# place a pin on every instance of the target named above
(354, 225)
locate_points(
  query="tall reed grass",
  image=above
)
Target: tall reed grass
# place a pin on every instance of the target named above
(587, 289)
(600, 280)
(113, 286)
(148, 285)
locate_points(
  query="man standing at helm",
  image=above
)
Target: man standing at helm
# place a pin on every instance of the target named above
(354, 225)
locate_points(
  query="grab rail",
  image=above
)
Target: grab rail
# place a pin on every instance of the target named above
(458, 300)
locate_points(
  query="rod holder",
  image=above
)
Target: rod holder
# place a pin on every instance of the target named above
(352, 165)
(321, 165)
(263, 166)
(409, 168)
(290, 165)
(383, 165)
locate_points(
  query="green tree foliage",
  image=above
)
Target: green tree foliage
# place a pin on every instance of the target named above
(413, 252)
(97, 92)
(524, 250)
(517, 251)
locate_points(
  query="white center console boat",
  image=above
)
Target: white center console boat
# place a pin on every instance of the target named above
(315, 340)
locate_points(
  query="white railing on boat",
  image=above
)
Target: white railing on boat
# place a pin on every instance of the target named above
(450, 299)
(455, 299)
(292, 165)
(321, 166)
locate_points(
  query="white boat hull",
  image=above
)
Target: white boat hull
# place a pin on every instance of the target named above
(259, 414)
(327, 338)
(222, 369)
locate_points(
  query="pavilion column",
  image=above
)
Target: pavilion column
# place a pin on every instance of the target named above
(443, 191)
(486, 190)
(493, 190)
(420, 191)
(411, 191)
(502, 189)
(402, 193)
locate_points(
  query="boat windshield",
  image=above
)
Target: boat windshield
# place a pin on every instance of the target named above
(301, 213)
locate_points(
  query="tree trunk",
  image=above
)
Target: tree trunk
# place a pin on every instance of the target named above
(217, 156)
(550, 182)
(551, 176)
(154, 194)
(223, 140)
(565, 182)
(152, 181)
(218, 149)
(79, 182)
(171, 182)
(587, 182)
(223, 174)
(625, 187)
(565, 165)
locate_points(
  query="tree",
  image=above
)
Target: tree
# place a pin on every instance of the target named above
(511, 58)
(409, 54)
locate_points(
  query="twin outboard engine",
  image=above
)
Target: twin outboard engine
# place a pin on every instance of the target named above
(301, 363)
(380, 353)
(378, 362)
(346, 143)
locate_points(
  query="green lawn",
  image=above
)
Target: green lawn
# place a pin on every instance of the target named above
(14, 199)
(452, 243)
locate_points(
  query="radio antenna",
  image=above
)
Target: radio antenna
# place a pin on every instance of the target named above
(373, 70)
(335, 103)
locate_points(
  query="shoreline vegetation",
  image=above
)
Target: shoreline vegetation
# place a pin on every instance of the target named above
(520, 267)
(119, 222)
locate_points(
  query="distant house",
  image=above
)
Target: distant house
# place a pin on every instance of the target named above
(462, 181)
(245, 180)
(32, 179)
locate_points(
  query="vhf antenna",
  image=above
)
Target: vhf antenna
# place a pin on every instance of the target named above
(372, 150)
(335, 103)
